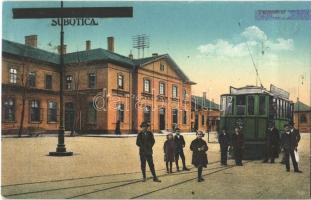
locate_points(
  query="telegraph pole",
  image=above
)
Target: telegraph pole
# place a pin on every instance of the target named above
(73, 12)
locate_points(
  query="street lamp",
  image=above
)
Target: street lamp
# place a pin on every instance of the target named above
(300, 81)
(61, 13)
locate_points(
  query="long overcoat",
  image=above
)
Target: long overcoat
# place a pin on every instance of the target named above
(199, 157)
(169, 150)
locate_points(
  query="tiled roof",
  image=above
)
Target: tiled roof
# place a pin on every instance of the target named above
(29, 52)
(96, 54)
(85, 56)
(144, 61)
(207, 103)
(302, 106)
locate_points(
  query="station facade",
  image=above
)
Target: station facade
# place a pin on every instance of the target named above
(101, 88)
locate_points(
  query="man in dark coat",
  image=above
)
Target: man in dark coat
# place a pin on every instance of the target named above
(238, 146)
(179, 144)
(118, 129)
(145, 142)
(223, 140)
(199, 156)
(272, 143)
(290, 141)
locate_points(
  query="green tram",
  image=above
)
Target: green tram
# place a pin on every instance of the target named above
(252, 108)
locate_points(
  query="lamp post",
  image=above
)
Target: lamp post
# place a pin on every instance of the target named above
(61, 13)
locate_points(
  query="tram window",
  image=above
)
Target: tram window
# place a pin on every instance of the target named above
(284, 109)
(262, 105)
(241, 104)
(289, 115)
(278, 108)
(229, 107)
(250, 105)
(223, 105)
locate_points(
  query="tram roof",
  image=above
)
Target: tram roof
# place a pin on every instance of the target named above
(251, 89)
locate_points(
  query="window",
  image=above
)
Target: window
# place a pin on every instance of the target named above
(120, 110)
(175, 91)
(13, 75)
(91, 114)
(162, 88)
(92, 80)
(184, 117)
(185, 94)
(34, 111)
(162, 67)
(175, 116)
(69, 82)
(32, 79)
(120, 81)
(241, 104)
(228, 105)
(9, 110)
(52, 111)
(147, 85)
(203, 120)
(303, 118)
(250, 105)
(262, 105)
(147, 114)
(48, 81)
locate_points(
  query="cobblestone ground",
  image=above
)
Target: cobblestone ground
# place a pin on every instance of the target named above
(109, 168)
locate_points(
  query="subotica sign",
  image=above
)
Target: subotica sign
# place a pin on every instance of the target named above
(75, 22)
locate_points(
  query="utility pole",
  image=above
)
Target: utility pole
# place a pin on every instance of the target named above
(300, 81)
(61, 13)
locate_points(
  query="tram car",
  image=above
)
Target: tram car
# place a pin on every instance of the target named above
(252, 108)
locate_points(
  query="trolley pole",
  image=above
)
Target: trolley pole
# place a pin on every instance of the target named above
(300, 78)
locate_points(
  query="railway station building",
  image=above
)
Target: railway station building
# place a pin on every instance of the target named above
(101, 87)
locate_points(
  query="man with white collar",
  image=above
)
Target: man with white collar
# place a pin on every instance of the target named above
(290, 140)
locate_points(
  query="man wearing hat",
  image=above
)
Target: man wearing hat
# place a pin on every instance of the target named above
(180, 144)
(272, 143)
(290, 141)
(223, 140)
(145, 142)
(238, 145)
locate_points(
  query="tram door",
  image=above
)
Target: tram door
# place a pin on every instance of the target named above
(69, 115)
(162, 119)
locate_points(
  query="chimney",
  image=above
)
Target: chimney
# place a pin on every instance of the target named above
(110, 43)
(88, 45)
(31, 40)
(155, 54)
(64, 49)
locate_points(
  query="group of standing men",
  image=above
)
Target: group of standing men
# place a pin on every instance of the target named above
(173, 148)
(274, 143)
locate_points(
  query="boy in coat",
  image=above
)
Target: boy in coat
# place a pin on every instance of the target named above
(180, 144)
(169, 152)
(199, 156)
(145, 142)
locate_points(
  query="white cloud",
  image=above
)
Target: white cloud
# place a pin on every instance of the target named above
(253, 33)
(256, 41)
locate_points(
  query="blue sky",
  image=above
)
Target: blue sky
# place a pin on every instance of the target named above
(202, 37)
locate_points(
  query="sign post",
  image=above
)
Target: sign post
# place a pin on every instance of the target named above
(61, 13)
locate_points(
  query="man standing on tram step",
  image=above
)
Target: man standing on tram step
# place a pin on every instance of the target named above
(180, 144)
(145, 142)
(290, 141)
(223, 140)
(199, 157)
(238, 146)
(272, 143)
